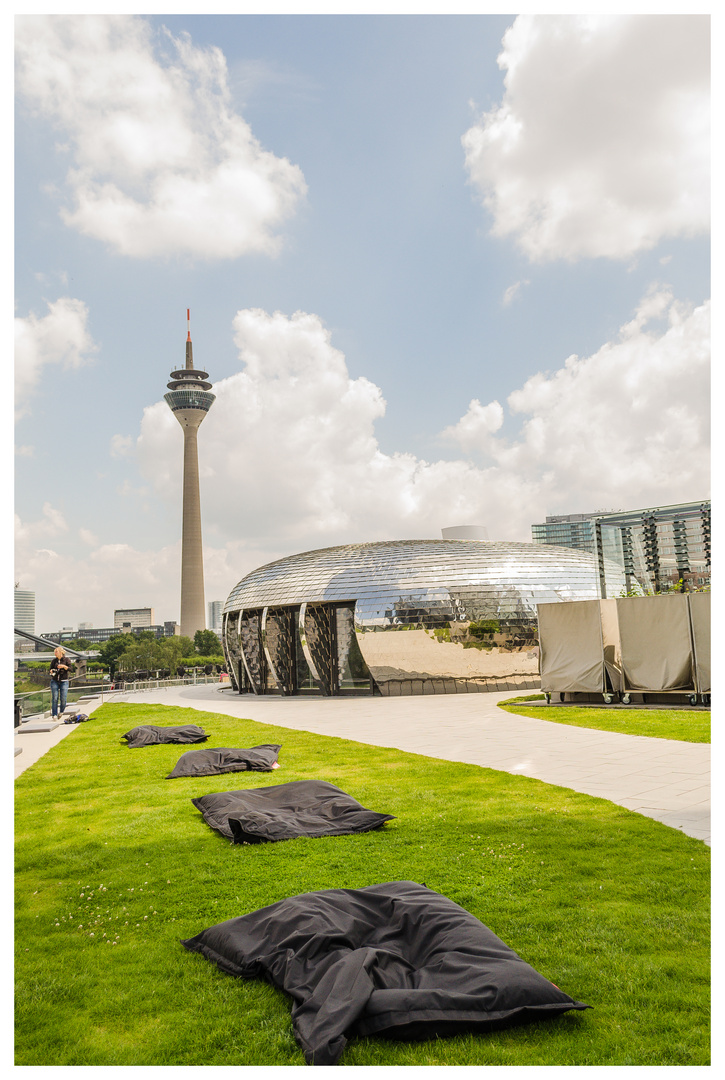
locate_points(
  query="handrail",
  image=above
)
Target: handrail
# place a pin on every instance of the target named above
(110, 690)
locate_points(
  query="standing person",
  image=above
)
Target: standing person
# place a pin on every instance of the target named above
(59, 678)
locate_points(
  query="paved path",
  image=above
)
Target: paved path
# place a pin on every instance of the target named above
(660, 778)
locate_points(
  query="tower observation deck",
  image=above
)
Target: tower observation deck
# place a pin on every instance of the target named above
(189, 400)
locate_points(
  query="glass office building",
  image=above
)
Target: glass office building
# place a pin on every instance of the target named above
(215, 609)
(656, 548)
(399, 617)
(24, 618)
(25, 610)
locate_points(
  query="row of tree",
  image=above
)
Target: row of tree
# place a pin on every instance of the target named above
(145, 652)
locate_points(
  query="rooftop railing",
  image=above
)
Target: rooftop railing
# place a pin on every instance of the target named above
(39, 701)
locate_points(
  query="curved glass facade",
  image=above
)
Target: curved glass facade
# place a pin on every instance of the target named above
(189, 399)
(400, 617)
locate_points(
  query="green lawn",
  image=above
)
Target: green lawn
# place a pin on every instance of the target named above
(611, 906)
(685, 725)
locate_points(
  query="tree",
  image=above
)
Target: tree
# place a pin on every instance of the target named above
(206, 643)
(111, 650)
(139, 652)
(171, 649)
(81, 644)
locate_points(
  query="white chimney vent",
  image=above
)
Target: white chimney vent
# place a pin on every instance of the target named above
(465, 532)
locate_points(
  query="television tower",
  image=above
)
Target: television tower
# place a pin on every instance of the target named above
(189, 400)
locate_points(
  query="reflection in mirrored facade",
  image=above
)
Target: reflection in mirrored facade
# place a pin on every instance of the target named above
(400, 617)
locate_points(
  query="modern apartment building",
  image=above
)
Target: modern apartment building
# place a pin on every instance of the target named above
(24, 618)
(214, 621)
(98, 635)
(25, 610)
(130, 618)
(657, 547)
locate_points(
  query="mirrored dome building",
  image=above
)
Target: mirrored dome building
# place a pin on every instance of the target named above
(399, 617)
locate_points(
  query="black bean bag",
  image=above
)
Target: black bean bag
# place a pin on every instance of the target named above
(395, 959)
(300, 808)
(214, 760)
(150, 735)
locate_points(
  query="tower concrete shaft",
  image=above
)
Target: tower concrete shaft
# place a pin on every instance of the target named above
(192, 558)
(190, 401)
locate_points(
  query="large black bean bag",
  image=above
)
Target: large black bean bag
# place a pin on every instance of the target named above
(300, 808)
(216, 760)
(394, 959)
(150, 735)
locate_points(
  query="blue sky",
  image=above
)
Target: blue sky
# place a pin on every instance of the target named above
(431, 287)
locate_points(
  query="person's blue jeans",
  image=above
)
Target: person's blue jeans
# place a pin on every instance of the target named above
(58, 690)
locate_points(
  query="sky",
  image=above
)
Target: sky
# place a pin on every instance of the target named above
(442, 270)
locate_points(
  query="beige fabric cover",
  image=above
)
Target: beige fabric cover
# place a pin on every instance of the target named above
(654, 634)
(611, 642)
(700, 616)
(570, 647)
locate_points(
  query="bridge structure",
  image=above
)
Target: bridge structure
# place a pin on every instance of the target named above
(51, 647)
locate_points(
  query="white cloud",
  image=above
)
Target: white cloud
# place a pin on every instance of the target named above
(600, 146)
(628, 425)
(474, 431)
(512, 292)
(161, 163)
(52, 523)
(60, 337)
(121, 446)
(72, 588)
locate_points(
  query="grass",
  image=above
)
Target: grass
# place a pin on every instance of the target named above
(610, 905)
(681, 724)
(27, 686)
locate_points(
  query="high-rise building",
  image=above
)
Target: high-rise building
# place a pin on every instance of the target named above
(656, 547)
(215, 608)
(25, 610)
(130, 618)
(24, 618)
(189, 400)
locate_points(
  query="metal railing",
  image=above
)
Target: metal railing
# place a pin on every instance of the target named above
(39, 701)
(159, 684)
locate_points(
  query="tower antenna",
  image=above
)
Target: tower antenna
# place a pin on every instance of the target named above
(189, 350)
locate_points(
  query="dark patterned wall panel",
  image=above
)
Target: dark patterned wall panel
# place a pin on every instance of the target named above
(320, 645)
(251, 644)
(278, 636)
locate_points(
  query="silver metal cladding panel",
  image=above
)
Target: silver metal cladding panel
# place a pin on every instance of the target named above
(458, 577)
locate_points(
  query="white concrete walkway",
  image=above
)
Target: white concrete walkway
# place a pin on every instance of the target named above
(660, 778)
